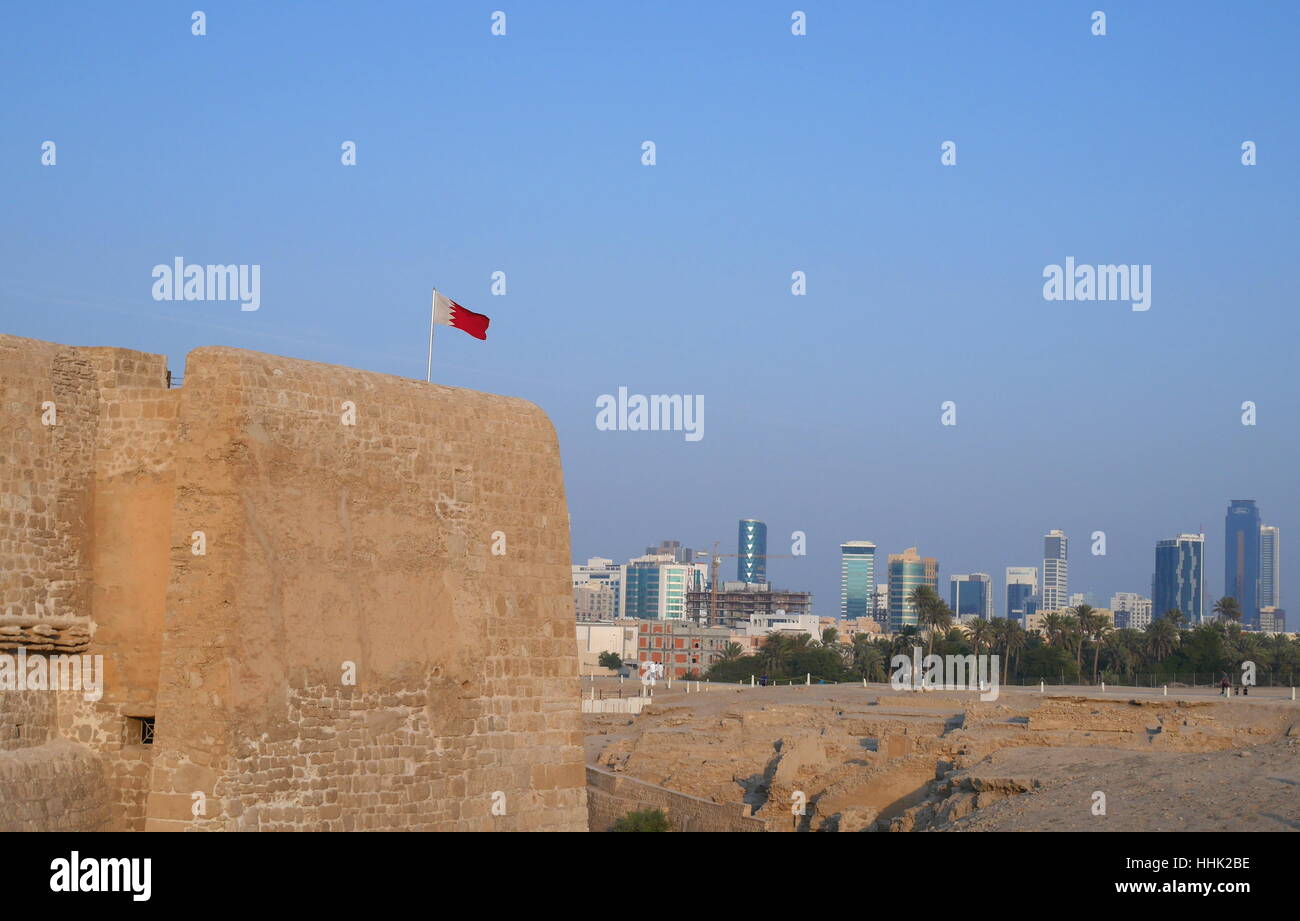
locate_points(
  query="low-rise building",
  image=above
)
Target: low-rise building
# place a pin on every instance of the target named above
(610, 636)
(1132, 611)
(681, 646)
(1272, 620)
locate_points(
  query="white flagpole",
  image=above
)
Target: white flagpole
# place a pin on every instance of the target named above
(433, 309)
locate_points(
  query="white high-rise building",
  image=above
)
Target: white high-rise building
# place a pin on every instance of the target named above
(1131, 610)
(1056, 571)
(880, 609)
(1270, 567)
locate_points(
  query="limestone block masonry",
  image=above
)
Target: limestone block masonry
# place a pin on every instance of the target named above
(376, 634)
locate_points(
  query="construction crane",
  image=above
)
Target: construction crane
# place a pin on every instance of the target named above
(715, 559)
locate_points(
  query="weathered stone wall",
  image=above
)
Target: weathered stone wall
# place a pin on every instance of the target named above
(367, 543)
(131, 524)
(611, 796)
(58, 786)
(85, 440)
(45, 483)
(370, 544)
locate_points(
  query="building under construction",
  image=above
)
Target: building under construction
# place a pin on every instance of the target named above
(735, 602)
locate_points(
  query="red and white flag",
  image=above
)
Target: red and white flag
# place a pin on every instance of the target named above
(449, 313)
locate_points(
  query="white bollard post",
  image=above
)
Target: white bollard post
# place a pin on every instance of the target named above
(864, 682)
(1166, 694)
(1042, 686)
(751, 681)
(1293, 693)
(808, 679)
(1103, 687)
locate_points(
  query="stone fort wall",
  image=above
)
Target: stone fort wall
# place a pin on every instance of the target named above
(346, 652)
(76, 459)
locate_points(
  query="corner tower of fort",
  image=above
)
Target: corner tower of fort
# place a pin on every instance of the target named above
(340, 599)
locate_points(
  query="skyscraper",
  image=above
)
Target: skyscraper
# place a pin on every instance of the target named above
(1022, 583)
(971, 595)
(1056, 571)
(1179, 581)
(857, 578)
(907, 570)
(1270, 567)
(1241, 558)
(751, 550)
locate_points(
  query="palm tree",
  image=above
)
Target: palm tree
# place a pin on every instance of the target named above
(980, 632)
(939, 620)
(904, 640)
(1055, 627)
(1125, 649)
(1102, 632)
(998, 629)
(1162, 637)
(868, 661)
(1228, 608)
(931, 612)
(732, 651)
(1014, 639)
(830, 636)
(1175, 616)
(1085, 617)
(775, 650)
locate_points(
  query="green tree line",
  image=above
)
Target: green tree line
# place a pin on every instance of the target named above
(1079, 646)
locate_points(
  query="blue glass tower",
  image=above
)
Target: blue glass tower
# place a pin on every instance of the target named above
(1017, 599)
(857, 578)
(1179, 581)
(971, 595)
(751, 551)
(1241, 558)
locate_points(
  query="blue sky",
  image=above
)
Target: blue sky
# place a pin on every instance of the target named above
(775, 153)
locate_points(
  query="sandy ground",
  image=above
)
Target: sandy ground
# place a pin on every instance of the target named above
(878, 759)
(1250, 789)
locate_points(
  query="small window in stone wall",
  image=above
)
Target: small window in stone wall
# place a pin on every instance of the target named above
(139, 730)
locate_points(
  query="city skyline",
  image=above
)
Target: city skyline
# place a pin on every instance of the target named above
(833, 603)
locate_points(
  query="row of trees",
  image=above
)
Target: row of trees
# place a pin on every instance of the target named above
(1078, 646)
